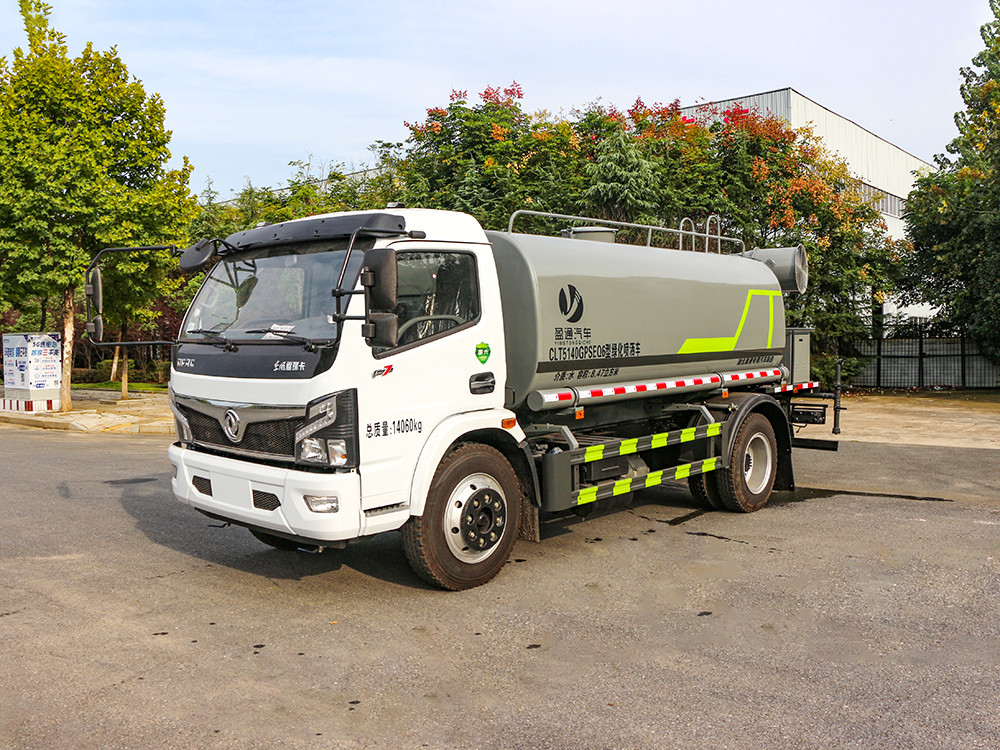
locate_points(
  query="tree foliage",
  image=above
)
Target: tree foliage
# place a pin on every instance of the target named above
(953, 215)
(771, 185)
(83, 151)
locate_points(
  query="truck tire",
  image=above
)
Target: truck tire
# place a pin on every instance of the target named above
(706, 492)
(470, 520)
(746, 485)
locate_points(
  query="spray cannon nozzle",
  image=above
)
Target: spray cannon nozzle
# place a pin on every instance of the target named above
(789, 264)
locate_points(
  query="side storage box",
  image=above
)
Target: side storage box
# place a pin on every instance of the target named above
(797, 354)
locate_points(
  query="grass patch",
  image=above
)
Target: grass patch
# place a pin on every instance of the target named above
(109, 385)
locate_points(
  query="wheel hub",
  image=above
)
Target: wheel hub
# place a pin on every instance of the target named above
(757, 463)
(483, 519)
(475, 518)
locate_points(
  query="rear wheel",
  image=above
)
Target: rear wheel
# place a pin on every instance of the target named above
(706, 491)
(470, 520)
(746, 485)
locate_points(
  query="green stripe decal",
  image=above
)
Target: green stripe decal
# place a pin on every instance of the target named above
(628, 446)
(660, 440)
(714, 429)
(688, 435)
(587, 495)
(623, 487)
(728, 343)
(708, 465)
(683, 472)
(594, 453)
(654, 479)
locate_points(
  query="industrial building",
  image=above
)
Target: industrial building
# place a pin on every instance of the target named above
(885, 170)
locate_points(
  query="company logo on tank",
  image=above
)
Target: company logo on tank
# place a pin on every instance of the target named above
(571, 303)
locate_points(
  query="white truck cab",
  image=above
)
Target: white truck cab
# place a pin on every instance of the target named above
(291, 424)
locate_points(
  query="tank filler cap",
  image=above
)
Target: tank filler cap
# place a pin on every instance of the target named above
(594, 234)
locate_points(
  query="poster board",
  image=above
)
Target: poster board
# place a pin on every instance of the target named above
(32, 371)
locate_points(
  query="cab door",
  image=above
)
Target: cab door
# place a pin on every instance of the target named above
(441, 366)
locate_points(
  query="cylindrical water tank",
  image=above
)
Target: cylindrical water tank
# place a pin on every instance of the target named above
(579, 313)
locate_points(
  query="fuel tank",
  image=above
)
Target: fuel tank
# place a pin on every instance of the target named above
(582, 313)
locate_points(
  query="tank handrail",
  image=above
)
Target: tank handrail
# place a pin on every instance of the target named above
(691, 231)
(718, 233)
(679, 233)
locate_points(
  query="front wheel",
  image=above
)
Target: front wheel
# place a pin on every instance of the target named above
(746, 485)
(470, 520)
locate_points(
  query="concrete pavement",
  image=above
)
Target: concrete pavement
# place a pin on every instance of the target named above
(104, 411)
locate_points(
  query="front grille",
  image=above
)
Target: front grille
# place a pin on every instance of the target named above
(274, 437)
(265, 500)
(203, 485)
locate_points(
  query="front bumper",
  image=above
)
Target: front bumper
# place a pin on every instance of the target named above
(267, 497)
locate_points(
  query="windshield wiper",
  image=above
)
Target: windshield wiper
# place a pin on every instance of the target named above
(307, 343)
(215, 337)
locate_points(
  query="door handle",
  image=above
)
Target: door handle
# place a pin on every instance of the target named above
(483, 382)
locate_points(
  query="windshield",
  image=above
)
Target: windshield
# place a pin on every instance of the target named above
(274, 294)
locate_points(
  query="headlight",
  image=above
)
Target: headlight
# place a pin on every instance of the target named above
(329, 436)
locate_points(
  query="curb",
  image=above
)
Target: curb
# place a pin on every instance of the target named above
(130, 426)
(48, 423)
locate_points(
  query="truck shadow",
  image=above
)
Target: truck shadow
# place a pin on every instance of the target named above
(171, 524)
(664, 504)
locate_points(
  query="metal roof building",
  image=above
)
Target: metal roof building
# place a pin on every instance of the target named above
(886, 170)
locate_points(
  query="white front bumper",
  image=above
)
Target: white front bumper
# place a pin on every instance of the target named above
(233, 483)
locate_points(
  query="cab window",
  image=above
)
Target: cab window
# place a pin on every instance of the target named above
(437, 294)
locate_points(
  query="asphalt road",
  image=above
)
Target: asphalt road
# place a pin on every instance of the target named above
(849, 615)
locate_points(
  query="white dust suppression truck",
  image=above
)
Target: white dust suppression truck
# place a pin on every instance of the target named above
(344, 375)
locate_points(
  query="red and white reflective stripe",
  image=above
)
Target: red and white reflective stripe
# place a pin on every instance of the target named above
(40, 405)
(657, 385)
(796, 388)
(552, 397)
(583, 394)
(736, 376)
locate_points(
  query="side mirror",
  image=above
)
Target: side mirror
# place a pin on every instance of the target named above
(95, 328)
(381, 329)
(245, 289)
(379, 279)
(197, 256)
(94, 290)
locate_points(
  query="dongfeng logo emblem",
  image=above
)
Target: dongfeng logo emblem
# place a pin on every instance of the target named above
(232, 426)
(571, 303)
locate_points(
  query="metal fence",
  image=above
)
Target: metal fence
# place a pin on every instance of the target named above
(924, 362)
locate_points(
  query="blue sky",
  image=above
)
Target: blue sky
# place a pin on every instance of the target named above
(250, 86)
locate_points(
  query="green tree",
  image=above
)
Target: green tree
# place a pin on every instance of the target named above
(770, 185)
(953, 215)
(82, 166)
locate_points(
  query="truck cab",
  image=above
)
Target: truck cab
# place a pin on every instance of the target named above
(293, 424)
